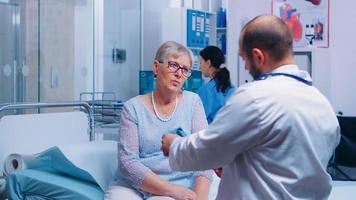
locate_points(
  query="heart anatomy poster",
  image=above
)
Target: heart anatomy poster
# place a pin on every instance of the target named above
(307, 19)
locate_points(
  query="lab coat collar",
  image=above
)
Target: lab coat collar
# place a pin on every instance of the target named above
(293, 70)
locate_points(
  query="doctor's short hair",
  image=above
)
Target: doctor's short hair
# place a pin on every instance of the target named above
(173, 49)
(269, 33)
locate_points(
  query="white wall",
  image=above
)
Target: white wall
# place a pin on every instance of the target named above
(151, 29)
(343, 60)
(239, 12)
(334, 68)
(83, 49)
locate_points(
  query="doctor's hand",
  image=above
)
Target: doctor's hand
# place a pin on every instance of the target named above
(166, 142)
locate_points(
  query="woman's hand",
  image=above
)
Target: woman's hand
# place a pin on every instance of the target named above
(201, 187)
(182, 193)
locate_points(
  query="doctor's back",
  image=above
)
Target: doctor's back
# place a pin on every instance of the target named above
(275, 135)
(279, 130)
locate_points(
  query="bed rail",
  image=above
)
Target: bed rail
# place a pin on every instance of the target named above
(84, 105)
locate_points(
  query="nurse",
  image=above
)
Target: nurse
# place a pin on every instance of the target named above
(218, 89)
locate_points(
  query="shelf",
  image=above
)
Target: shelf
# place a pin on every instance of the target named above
(221, 28)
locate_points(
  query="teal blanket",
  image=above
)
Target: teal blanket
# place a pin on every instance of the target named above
(93, 163)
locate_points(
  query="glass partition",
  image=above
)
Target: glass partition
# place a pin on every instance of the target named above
(70, 50)
(46, 51)
(65, 49)
(9, 55)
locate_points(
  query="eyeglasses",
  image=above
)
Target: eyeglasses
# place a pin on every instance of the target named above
(174, 67)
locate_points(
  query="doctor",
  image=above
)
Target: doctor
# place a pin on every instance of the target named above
(275, 136)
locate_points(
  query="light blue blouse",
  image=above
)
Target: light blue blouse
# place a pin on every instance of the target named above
(140, 140)
(212, 99)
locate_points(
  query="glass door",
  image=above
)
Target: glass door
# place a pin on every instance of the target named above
(11, 83)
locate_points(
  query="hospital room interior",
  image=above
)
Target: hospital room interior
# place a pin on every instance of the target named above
(67, 68)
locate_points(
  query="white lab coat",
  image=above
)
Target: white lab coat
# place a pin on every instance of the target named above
(274, 138)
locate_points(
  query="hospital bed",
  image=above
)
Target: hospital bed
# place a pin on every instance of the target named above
(56, 179)
(33, 133)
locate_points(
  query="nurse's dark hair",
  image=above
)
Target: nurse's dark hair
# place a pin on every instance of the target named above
(173, 49)
(217, 60)
(269, 33)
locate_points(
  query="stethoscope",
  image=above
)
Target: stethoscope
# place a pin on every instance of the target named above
(266, 75)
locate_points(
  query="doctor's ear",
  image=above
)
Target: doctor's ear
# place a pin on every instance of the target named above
(258, 56)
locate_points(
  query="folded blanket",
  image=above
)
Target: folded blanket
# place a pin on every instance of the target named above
(98, 158)
(179, 131)
(91, 161)
(2, 187)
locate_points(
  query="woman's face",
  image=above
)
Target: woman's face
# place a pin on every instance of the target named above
(170, 73)
(204, 67)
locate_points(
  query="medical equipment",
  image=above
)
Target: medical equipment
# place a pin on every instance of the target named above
(193, 28)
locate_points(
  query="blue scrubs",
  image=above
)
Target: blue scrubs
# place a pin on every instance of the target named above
(212, 99)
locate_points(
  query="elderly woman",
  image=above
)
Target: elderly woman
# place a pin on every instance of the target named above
(145, 118)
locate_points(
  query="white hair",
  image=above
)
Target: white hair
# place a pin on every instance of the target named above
(174, 49)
